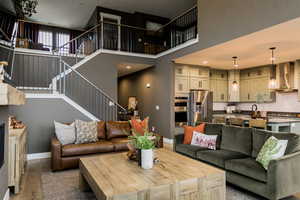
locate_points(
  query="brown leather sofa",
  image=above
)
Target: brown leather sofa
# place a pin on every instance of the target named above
(112, 138)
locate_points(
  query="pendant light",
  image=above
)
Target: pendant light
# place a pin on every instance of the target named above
(272, 83)
(235, 64)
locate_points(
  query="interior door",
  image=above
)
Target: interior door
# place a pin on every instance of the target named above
(111, 31)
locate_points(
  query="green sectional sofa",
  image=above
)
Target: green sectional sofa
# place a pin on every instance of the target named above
(237, 149)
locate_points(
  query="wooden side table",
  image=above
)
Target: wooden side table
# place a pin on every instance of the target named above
(17, 157)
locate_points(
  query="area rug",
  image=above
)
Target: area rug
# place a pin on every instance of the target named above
(64, 186)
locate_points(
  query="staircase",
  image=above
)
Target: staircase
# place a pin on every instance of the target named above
(62, 77)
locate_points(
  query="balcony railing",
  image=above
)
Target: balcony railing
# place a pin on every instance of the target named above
(113, 36)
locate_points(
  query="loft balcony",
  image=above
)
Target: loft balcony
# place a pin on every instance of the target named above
(108, 34)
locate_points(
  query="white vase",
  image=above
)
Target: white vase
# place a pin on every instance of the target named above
(147, 158)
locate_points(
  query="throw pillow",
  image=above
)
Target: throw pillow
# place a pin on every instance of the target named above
(272, 149)
(66, 134)
(86, 132)
(188, 132)
(139, 126)
(205, 141)
(116, 129)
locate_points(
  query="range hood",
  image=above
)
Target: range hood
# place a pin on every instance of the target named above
(285, 75)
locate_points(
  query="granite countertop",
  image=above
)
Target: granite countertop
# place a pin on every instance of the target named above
(273, 120)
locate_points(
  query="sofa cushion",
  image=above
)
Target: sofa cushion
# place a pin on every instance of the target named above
(259, 137)
(189, 131)
(101, 129)
(214, 129)
(101, 146)
(293, 141)
(218, 157)
(237, 139)
(247, 167)
(115, 129)
(189, 150)
(120, 144)
(86, 132)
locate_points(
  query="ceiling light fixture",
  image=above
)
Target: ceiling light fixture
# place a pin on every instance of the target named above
(272, 83)
(235, 83)
(128, 67)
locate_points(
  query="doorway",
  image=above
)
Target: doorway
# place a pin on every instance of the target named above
(110, 31)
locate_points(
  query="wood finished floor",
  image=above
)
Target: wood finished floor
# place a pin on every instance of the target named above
(31, 186)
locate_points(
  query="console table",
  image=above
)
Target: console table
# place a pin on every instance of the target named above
(17, 157)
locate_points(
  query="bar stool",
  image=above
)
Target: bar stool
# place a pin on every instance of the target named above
(258, 123)
(219, 120)
(236, 122)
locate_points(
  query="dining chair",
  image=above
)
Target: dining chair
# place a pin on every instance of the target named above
(219, 120)
(258, 123)
(236, 122)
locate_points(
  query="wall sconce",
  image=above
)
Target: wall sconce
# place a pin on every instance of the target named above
(148, 85)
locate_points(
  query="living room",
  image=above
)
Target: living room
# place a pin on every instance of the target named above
(99, 104)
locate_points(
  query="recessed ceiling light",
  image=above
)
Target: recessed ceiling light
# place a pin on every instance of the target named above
(128, 67)
(205, 62)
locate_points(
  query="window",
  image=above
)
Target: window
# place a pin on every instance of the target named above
(46, 38)
(62, 39)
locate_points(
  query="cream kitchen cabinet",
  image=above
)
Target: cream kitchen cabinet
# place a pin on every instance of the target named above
(198, 83)
(200, 72)
(181, 71)
(219, 85)
(181, 85)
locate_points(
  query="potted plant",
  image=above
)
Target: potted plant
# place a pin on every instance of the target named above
(144, 144)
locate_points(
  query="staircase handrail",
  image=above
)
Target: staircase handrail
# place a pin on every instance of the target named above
(92, 84)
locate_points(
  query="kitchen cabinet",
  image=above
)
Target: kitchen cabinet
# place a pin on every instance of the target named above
(199, 83)
(190, 77)
(200, 72)
(181, 71)
(219, 85)
(255, 85)
(181, 85)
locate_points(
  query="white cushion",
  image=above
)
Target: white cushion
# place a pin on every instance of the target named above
(66, 134)
(205, 141)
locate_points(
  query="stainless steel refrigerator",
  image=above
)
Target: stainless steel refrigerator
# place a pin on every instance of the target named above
(200, 107)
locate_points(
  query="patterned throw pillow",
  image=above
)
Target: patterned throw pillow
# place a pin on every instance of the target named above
(205, 141)
(86, 132)
(66, 134)
(189, 130)
(271, 150)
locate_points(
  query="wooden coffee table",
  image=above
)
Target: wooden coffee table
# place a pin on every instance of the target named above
(175, 177)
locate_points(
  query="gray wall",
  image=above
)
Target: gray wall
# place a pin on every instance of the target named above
(219, 21)
(38, 115)
(102, 70)
(3, 171)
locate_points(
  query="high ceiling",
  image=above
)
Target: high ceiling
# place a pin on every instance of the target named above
(76, 13)
(253, 49)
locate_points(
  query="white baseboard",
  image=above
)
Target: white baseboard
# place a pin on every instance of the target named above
(6, 196)
(35, 156)
(168, 141)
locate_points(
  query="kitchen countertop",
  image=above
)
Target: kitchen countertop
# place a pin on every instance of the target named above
(271, 120)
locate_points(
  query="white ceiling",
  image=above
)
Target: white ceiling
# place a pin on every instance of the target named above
(76, 13)
(253, 49)
(134, 67)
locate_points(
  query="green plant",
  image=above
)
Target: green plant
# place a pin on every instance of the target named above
(146, 141)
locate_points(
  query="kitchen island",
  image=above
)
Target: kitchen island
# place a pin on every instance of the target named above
(278, 124)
